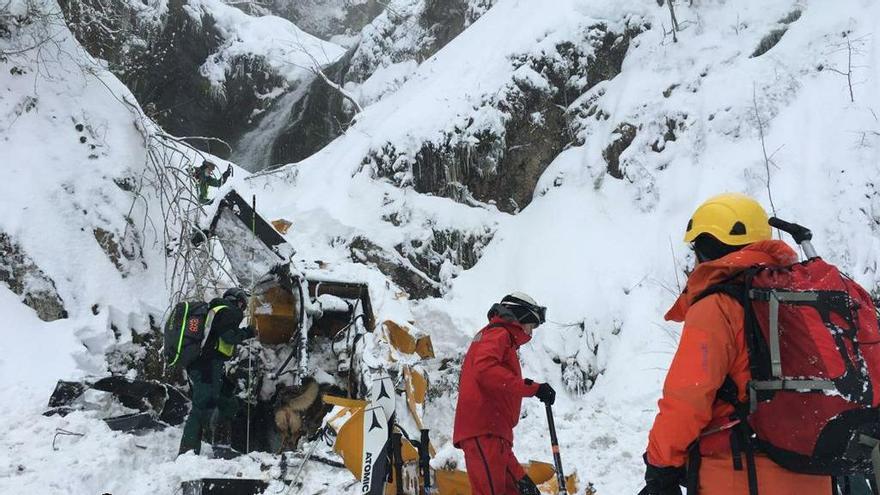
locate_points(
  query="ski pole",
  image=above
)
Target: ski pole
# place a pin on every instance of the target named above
(425, 462)
(247, 442)
(397, 456)
(299, 471)
(557, 459)
(801, 235)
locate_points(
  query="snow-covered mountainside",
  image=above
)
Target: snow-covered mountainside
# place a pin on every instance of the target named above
(556, 148)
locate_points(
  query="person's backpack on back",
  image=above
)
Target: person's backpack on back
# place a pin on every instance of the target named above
(814, 353)
(185, 333)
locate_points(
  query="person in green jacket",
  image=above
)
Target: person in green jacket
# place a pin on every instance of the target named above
(211, 389)
(204, 176)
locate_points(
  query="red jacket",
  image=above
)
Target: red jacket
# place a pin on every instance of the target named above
(491, 387)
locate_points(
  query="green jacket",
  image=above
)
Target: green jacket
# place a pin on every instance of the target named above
(225, 333)
(204, 180)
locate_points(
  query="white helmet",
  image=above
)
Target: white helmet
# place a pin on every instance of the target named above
(525, 308)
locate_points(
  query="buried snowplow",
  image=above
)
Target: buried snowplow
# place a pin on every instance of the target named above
(316, 332)
(310, 325)
(377, 411)
(292, 309)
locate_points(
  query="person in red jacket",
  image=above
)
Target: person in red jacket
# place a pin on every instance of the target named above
(491, 389)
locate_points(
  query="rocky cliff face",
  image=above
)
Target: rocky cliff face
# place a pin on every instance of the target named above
(158, 57)
(328, 19)
(386, 52)
(164, 53)
(23, 277)
(497, 153)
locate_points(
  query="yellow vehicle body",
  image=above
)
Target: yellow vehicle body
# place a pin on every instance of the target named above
(348, 422)
(401, 338)
(275, 313)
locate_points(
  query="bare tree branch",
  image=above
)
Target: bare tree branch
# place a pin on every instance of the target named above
(317, 69)
(767, 160)
(852, 46)
(675, 26)
(183, 139)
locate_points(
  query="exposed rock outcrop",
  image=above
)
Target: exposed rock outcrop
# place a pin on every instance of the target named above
(395, 267)
(530, 123)
(328, 18)
(410, 32)
(23, 277)
(159, 58)
(317, 118)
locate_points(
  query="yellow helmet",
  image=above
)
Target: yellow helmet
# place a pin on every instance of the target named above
(732, 218)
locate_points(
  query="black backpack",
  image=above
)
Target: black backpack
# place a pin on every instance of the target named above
(185, 333)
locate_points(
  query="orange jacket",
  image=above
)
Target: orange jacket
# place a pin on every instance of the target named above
(712, 347)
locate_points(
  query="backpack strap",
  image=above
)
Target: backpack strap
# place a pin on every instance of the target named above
(183, 321)
(738, 287)
(741, 443)
(692, 472)
(209, 321)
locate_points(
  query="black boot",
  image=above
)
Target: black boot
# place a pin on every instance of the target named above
(221, 442)
(190, 442)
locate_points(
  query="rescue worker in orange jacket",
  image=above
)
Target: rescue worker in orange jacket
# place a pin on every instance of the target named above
(729, 233)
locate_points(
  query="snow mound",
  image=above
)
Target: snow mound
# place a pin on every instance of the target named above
(292, 52)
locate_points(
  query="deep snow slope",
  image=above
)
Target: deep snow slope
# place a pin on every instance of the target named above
(599, 243)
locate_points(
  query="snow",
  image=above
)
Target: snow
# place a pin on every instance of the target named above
(383, 81)
(605, 255)
(289, 50)
(30, 363)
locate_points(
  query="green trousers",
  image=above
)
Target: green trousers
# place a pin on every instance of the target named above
(211, 392)
(856, 484)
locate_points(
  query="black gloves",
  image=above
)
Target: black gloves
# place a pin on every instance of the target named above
(251, 330)
(662, 480)
(546, 394)
(527, 487)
